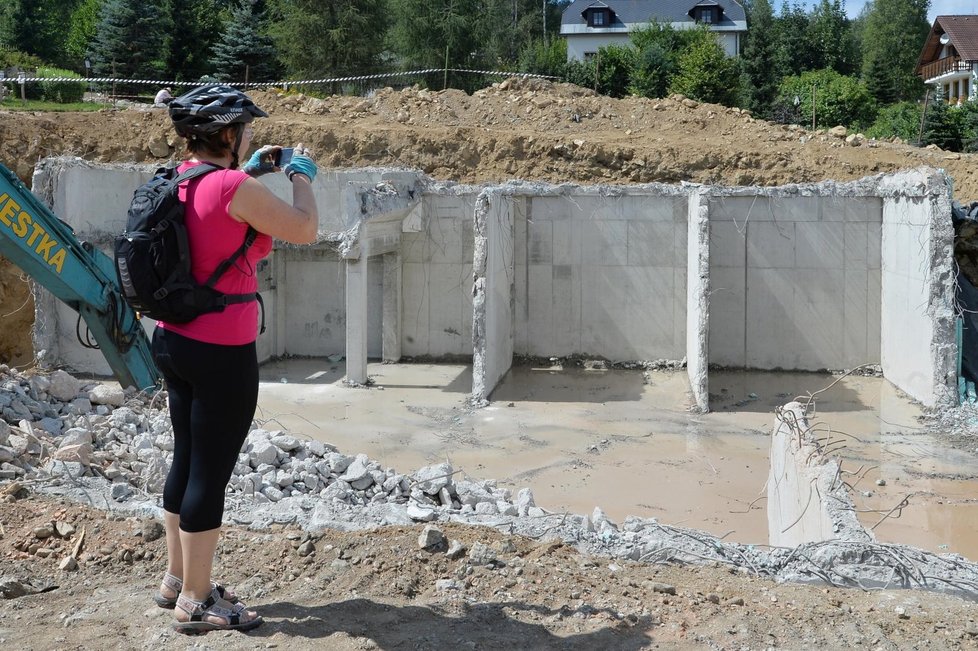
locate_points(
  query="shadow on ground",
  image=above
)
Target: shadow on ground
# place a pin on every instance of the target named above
(480, 626)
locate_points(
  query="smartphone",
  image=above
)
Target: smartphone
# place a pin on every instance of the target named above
(283, 156)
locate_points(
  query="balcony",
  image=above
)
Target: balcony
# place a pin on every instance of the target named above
(943, 66)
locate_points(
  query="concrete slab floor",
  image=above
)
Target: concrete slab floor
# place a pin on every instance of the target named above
(584, 438)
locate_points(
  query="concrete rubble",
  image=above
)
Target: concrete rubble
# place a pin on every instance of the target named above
(80, 440)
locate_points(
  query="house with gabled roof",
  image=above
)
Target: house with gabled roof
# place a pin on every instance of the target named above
(949, 58)
(590, 24)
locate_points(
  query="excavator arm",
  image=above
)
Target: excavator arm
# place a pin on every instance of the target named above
(78, 274)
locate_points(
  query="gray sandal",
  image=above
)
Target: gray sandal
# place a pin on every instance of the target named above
(213, 606)
(175, 584)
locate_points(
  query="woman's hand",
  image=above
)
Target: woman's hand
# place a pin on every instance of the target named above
(262, 161)
(302, 163)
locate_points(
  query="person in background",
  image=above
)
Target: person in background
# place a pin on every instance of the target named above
(210, 365)
(163, 98)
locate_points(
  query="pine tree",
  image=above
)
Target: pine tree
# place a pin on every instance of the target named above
(758, 59)
(245, 50)
(130, 38)
(941, 125)
(794, 54)
(195, 26)
(880, 81)
(325, 38)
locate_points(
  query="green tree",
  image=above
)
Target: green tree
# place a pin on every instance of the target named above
(245, 50)
(794, 54)
(894, 34)
(130, 38)
(758, 59)
(880, 82)
(429, 33)
(839, 99)
(37, 27)
(830, 38)
(704, 71)
(82, 28)
(194, 28)
(658, 47)
(324, 38)
(969, 127)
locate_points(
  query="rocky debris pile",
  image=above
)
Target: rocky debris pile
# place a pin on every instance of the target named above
(73, 436)
(68, 429)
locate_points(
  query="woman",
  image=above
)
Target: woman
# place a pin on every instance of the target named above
(210, 364)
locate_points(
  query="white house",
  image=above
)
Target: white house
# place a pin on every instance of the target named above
(949, 58)
(590, 24)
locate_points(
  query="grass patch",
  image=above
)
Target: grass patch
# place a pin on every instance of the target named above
(39, 105)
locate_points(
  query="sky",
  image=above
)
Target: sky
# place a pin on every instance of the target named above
(937, 8)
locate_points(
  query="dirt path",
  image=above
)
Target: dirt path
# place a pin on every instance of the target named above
(381, 590)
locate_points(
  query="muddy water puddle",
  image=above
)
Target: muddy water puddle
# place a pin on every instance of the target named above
(625, 441)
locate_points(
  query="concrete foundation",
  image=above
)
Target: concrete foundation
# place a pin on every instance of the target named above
(801, 277)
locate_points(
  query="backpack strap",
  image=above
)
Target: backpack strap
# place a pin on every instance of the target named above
(192, 173)
(249, 239)
(224, 266)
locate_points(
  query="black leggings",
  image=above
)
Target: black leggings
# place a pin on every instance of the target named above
(213, 391)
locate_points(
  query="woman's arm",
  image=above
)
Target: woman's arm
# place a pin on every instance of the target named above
(256, 205)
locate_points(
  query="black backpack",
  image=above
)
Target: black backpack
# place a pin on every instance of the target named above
(152, 256)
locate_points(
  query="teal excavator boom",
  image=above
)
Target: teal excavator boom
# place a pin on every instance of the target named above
(33, 238)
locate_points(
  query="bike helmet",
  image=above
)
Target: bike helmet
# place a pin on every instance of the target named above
(210, 108)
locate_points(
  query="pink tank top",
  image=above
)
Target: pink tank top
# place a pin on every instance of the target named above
(214, 235)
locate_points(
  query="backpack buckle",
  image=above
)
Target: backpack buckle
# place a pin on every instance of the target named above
(161, 293)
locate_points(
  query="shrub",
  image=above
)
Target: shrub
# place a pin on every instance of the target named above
(901, 120)
(541, 58)
(61, 92)
(704, 71)
(839, 99)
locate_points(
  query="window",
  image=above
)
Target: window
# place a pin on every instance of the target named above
(598, 18)
(590, 56)
(706, 15)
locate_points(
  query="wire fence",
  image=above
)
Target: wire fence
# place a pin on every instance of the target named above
(435, 78)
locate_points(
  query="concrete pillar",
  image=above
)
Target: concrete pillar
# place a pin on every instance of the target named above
(356, 320)
(391, 325)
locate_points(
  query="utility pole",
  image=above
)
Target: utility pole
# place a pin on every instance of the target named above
(544, 22)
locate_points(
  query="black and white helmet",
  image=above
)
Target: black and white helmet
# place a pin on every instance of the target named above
(210, 108)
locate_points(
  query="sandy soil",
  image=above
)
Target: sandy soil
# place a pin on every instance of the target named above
(378, 590)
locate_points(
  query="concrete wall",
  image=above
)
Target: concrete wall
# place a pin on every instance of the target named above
(436, 277)
(602, 275)
(815, 276)
(494, 284)
(919, 352)
(809, 265)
